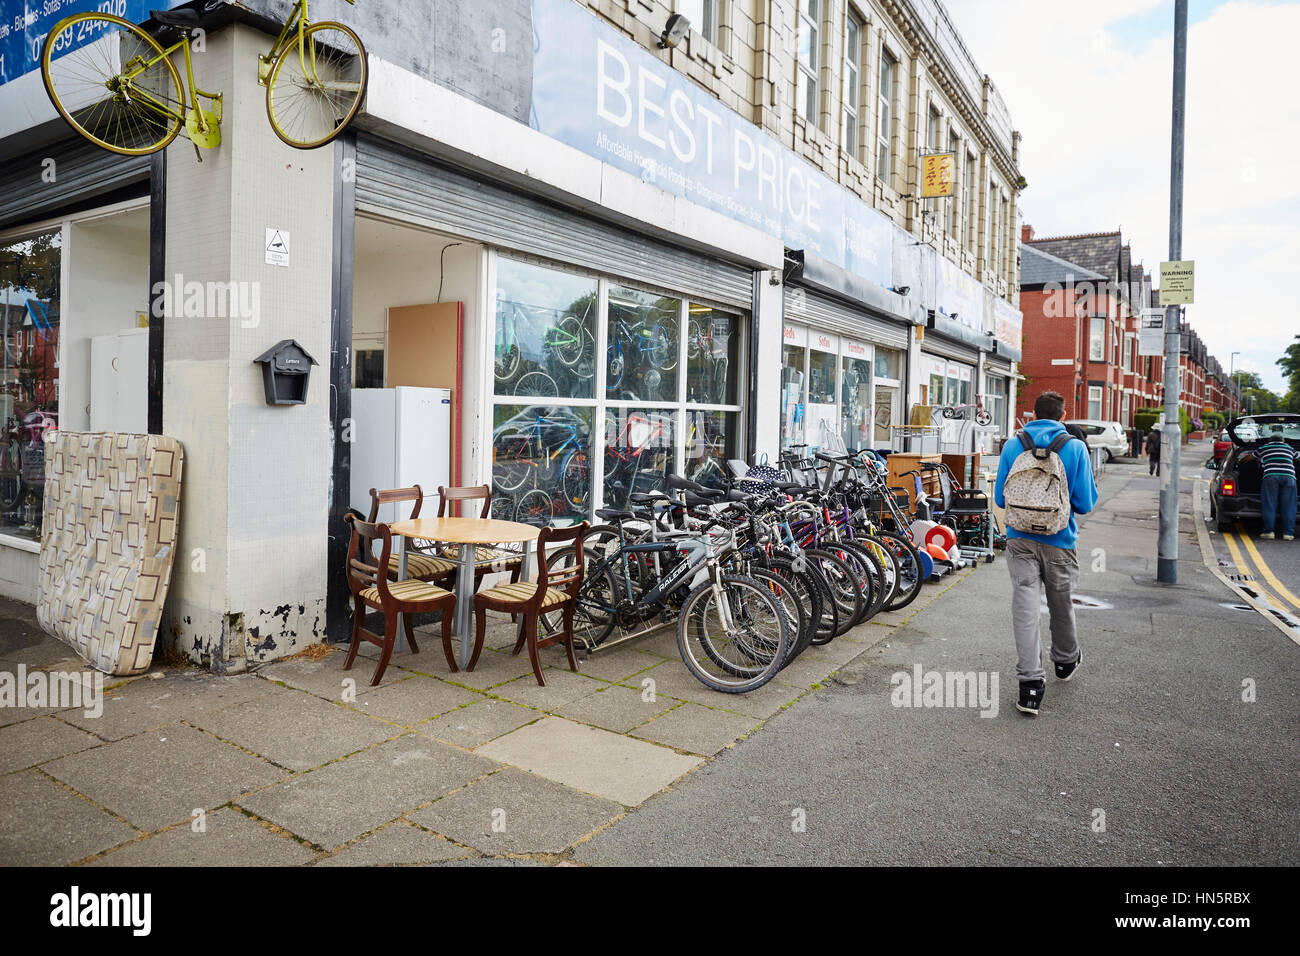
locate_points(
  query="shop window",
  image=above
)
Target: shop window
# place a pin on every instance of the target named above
(639, 452)
(889, 364)
(935, 391)
(29, 375)
(887, 404)
(711, 439)
(995, 399)
(643, 349)
(545, 344)
(712, 354)
(541, 469)
(794, 360)
(856, 413)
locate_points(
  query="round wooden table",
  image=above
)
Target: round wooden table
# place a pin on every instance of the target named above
(469, 533)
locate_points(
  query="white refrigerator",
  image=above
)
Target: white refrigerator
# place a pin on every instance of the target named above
(400, 437)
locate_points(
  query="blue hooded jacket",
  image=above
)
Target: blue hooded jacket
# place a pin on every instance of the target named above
(1078, 473)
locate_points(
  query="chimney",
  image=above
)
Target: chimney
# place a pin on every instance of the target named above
(1026, 233)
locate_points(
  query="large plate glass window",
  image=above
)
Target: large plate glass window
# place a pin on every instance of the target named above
(712, 353)
(794, 378)
(541, 465)
(29, 375)
(639, 452)
(856, 413)
(545, 341)
(711, 439)
(643, 349)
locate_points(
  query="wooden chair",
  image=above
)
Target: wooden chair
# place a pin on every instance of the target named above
(423, 563)
(556, 589)
(487, 560)
(372, 589)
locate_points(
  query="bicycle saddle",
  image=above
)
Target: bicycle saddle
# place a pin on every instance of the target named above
(182, 18)
(613, 514)
(642, 498)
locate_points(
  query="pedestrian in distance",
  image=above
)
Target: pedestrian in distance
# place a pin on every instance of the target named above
(1044, 480)
(1277, 461)
(1153, 451)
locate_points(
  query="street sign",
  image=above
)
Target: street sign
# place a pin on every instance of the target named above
(938, 174)
(1151, 337)
(1176, 282)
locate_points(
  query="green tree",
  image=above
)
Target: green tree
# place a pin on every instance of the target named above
(1290, 363)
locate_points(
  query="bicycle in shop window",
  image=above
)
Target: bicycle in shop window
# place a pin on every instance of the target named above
(115, 83)
(640, 351)
(538, 457)
(568, 348)
(638, 457)
(707, 445)
(706, 354)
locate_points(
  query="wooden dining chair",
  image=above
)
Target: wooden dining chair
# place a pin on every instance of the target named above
(556, 589)
(488, 559)
(372, 589)
(423, 561)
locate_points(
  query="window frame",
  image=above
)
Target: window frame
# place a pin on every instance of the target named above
(851, 116)
(808, 70)
(886, 81)
(1097, 339)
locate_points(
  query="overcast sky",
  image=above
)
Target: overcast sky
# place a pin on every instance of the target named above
(1089, 87)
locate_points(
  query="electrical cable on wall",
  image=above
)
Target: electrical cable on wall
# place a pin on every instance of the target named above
(442, 266)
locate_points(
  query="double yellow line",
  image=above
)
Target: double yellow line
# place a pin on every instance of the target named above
(1265, 571)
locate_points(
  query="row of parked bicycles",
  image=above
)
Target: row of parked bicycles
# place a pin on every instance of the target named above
(752, 574)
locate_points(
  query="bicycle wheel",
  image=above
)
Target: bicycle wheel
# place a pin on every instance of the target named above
(982, 417)
(536, 385)
(120, 90)
(792, 606)
(888, 562)
(949, 412)
(809, 595)
(829, 624)
(535, 508)
(575, 479)
(503, 506)
(846, 590)
(593, 611)
(314, 90)
(867, 571)
(744, 656)
(506, 365)
(910, 578)
(662, 346)
(574, 346)
(512, 466)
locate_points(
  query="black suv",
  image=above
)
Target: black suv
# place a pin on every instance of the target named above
(1234, 493)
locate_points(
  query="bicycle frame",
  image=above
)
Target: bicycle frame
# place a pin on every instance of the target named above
(297, 21)
(145, 97)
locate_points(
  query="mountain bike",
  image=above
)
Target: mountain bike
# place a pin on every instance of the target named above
(569, 340)
(648, 345)
(524, 456)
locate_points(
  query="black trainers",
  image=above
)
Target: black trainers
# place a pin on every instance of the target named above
(1031, 696)
(1066, 671)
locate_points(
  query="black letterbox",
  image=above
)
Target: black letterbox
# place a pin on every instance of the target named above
(286, 370)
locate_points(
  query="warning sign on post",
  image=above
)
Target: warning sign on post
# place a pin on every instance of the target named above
(277, 247)
(1176, 282)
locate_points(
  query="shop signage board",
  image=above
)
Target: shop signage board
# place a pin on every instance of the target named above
(856, 350)
(824, 342)
(23, 30)
(1176, 282)
(603, 94)
(960, 296)
(795, 335)
(938, 175)
(1151, 337)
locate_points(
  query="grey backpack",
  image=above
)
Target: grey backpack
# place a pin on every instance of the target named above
(1036, 491)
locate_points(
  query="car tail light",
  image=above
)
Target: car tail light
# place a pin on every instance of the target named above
(1229, 488)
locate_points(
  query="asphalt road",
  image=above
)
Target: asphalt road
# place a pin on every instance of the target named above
(1150, 756)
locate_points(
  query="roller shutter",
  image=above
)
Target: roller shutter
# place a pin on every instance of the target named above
(30, 189)
(807, 307)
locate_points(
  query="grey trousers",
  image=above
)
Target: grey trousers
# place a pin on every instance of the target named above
(1034, 565)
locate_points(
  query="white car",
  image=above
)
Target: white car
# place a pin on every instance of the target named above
(1108, 436)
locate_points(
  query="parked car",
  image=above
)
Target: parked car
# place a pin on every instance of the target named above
(1108, 436)
(1221, 445)
(1234, 493)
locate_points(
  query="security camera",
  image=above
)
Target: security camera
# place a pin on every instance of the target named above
(675, 31)
(903, 289)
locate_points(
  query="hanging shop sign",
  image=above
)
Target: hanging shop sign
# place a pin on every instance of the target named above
(938, 175)
(601, 93)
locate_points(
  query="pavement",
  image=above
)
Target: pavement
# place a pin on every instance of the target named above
(1151, 755)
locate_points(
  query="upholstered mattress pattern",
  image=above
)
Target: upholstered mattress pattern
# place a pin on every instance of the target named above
(111, 520)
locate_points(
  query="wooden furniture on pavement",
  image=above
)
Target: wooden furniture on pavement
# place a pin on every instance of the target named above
(899, 463)
(421, 563)
(371, 588)
(487, 560)
(555, 590)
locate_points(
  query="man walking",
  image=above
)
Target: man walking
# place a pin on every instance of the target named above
(1044, 480)
(1277, 460)
(1153, 451)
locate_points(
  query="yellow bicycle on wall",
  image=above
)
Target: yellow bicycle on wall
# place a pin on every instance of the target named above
(117, 86)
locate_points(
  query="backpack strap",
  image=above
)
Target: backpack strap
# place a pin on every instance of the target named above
(1059, 442)
(1026, 442)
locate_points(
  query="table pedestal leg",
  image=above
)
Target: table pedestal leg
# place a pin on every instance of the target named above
(464, 622)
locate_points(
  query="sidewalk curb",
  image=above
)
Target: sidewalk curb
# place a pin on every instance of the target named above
(1265, 610)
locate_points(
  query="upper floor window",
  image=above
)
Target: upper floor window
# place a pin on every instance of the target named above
(993, 262)
(1097, 340)
(703, 15)
(954, 207)
(852, 118)
(885, 117)
(809, 59)
(972, 200)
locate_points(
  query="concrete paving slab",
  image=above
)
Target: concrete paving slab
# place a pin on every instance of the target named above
(614, 665)
(595, 761)
(38, 741)
(48, 825)
(493, 668)
(343, 800)
(617, 708)
(229, 839)
(674, 680)
(413, 699)
(697, 729)
(398, 844)
(517, 812)
(23, 642)
(187, 769)
(151, 702)
(562, 687)
(471, 726)
(295, 729)
(325, 677)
